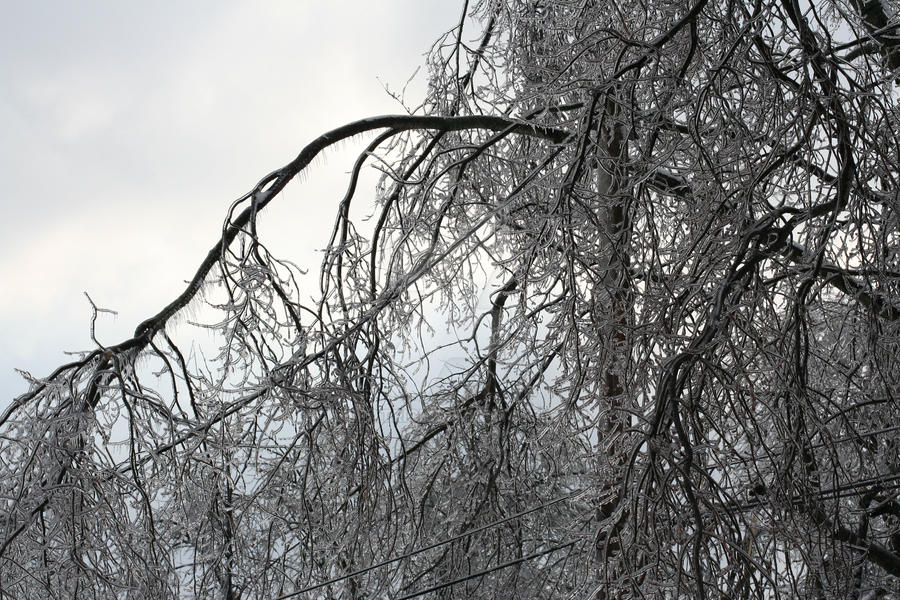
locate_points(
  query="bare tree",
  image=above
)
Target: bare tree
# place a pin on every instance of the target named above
(624, 324)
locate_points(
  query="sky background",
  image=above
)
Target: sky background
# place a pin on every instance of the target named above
(127, 128)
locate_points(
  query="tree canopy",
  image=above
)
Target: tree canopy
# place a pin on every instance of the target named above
(622, 322)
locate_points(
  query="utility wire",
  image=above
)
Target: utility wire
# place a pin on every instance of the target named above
(822, 494)
(832, 493)
(842, 491)
(745, 460)
(441, 543)
(486, 571)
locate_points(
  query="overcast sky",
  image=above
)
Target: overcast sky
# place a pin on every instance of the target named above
(128, 127)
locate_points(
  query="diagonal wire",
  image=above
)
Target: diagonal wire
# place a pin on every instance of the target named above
(822, 494)
(514, 562)
(851, 488)
(441, 543)
(490, 570)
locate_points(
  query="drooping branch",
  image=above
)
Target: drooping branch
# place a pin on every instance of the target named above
(272, 184)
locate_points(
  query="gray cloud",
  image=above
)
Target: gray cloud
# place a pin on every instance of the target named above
(128, 128)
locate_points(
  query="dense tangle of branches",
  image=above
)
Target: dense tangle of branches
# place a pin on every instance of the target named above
(624, 323)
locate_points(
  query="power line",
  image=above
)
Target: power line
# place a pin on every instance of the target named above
(441, 543)
(744, 460)
(851, 488)
(491, 570)
(832, 493)
(837, 491)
